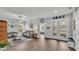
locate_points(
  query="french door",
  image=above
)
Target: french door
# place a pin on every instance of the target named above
(55, 29)
(59, 29)
(62, 28)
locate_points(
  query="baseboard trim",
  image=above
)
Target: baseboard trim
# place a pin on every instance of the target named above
(72, 49)
(54, 39)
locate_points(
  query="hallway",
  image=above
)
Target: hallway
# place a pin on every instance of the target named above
(41, 45)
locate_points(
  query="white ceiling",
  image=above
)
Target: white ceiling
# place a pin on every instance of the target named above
(35, 12)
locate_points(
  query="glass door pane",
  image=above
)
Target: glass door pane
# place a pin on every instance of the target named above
(62, 27)
(55, 27)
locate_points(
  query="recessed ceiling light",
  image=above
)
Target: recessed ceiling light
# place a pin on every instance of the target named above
(55, 11)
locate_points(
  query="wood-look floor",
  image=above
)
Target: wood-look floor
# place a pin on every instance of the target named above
(41, 45)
